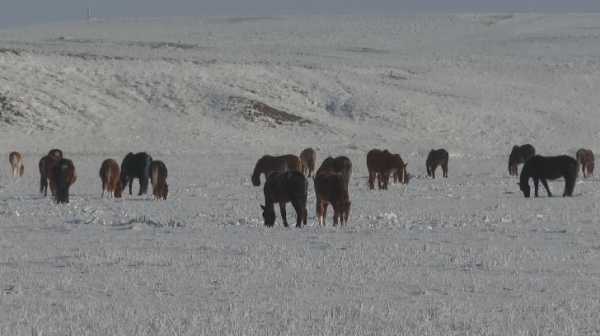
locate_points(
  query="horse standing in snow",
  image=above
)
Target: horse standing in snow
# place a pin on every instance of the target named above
(136, 166)
(63, 175)
(45, 166)
(548, 168)
(267, 164)
(331, 188)
(110, 176)
(160, 188)
(437, 158)
(384, 164)
(283, 187)
(308, 157)
(16, 161)
(341, 165)
(585, 159)
(57, 153)
(518, 155)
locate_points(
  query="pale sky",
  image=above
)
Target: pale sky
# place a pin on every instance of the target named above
(22, 12)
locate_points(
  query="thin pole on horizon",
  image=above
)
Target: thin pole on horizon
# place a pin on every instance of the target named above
(89, 10)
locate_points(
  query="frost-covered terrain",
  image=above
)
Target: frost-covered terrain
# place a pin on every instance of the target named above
(458, 256)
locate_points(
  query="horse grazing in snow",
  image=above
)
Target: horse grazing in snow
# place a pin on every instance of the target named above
(401, 175)
(283, 187)
(160, 188)
(16, 162)
(57, 153)
(585, 159)
(136, 166)
(308, 158)
(331, 188)
(518, 155)
(384, 164)
(548, 168)
(62, 176)
(437, 158)
(111, 181)
(341, 165)
(45, 165)
(268, 164)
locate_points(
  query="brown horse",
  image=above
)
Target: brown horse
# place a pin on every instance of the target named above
(403, 174)
(437, 158)
(384, 164)
(331, 188)
(62, 176)
(308, 157)
(268, 164)
(283, 187)
(16, 161)
(45, 166)
(518, 155)
(57, 153)
(158, 172)
(110, 176)
(341, 165)
(585, 159)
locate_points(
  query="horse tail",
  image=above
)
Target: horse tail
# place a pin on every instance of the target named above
(62, 183)
(154, 177)
(43, 176)
(146, 175)
(347, 172)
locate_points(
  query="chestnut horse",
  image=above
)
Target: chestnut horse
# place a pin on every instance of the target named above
(62, 176)
(384, 164)
(403, 174)
(331, 188)
(268, 164)
(341, 165)
(45, 166)
(308, 158)
(57, 153)
(16, 161)
(136, 166)
(110, 176)
(283, 187)
(437, 158)
(585, 159)
(517, 156)
(160, 188)
(548, 168)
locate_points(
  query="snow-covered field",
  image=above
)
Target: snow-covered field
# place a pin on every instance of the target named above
(467, 255)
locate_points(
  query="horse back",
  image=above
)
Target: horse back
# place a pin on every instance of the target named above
(331, 187)
(285, 186)
(549, 167)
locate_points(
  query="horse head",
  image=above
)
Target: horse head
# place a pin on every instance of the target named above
(268, 215)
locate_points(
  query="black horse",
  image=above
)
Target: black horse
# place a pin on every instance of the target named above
(341, 165)
(283, 187)
(548, 168)
(437, 158)
(63, 176)
(136, 166)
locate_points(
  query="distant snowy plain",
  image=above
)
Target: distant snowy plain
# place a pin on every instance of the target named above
(467, 255)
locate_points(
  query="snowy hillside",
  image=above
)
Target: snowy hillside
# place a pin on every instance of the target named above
(463, 255)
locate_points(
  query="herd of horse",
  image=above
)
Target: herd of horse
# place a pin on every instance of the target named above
(59, 173)
(286, 177)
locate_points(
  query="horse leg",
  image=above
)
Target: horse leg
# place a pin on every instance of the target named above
(386, 180)
(536, 182)
(336, 213)
(396, 177)
(325, 205)
(583, 170)
(130, 181)
(372, 180)
(319, 210)
(299, 213)
(546, 186)
(433, 168)
(283, 215)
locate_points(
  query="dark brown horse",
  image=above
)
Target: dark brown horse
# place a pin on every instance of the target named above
(63, 175)
(518, 155)
(136, 166)
(308, 157)
(283, 187)
(57, 153)
(585, 159)
(331, 188)
(160, 188)
(437, 158)
(384, 164)
(341, 165)
(268, 164)
(110, 176)
(548, 168)
(16, 162)
(45, 166)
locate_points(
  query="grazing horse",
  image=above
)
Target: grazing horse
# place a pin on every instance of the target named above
(160, 188)
(111, 181)
(283, 187)
(403, 174)
(16, 161)
(331, 188)
(268, 164)
(136, 166)
(45, 166)
(548, 168)
(384, 164)
(63, 175)
(517, 156)
(437, 158)
(308, 157)
(585, 159)
(341, 165)
(57, 153)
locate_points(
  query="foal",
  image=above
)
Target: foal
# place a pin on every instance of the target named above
(160, 188)
(437, 158)
(45, 166)
(109, 174)
(16, 161)
(63, 175)
(283, 187)
(308, 157)
(332, 189)
(585, 159)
